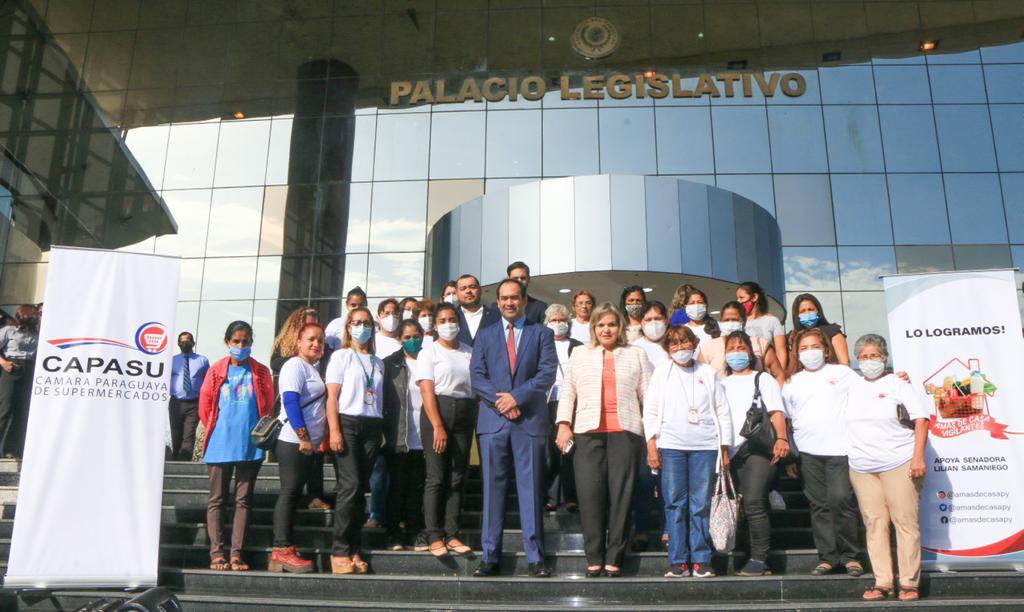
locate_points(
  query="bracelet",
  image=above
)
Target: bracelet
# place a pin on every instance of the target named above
(302, 434)
(786, 440)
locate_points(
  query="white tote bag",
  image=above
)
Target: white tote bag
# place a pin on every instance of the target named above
(724, 513)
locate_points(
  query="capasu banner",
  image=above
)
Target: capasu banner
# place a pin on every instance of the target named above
(958, 335)
(88, 511)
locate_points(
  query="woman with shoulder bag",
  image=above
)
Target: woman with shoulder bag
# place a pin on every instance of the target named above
(302, 395)
(754, 465)
(236, 392)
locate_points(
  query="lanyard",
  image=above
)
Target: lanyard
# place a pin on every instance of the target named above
(368, 375)
(693, 382)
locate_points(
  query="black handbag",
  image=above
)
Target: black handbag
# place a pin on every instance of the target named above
(758, 429)
(264, 435)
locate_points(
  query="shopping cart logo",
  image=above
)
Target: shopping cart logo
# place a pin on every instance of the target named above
(150, 338)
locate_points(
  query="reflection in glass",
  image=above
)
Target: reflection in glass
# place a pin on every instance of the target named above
(280, 151)
(355, 271)
(395, 274)
(358, 240)
(275, 199)
(861, 267)
(214, 318)
(191, 209)
(227, 278)
(268, 277)
(1013, 203)
(847, 85)
(865, 313)
(149, 147)
(235, 216)
(811, 268)
(798, 139)
(1012, 53)
(981, 256)
(861, 206)
(191, 153)
(1008, 127)
(402, 146)
(684, 140)
(965, 138)
(902, 85)
(908, 135)
(918, 205)
(190, 283)
(803, 206)
(922, 259)
(741, 140)
(362, 148)
(570, 142)
(1005, 83)
(854, 140)
(457, 145)
(953, 84)
(398, 217)
(264, 314)
(187, 318)
(975, 208)
(755, 187)
(627, 141)
(242, 153)
(513, 143)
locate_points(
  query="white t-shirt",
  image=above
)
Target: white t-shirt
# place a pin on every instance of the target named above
(350, 370)
(580, 331)
(562, 350)
(878, 442)
(703, 337)
(473, 320)
(385, 346)
(655, 354)
(766, 326)
(739, 389)
(412, 436)
(333, 333)
(816, 402)
(448, 368)
(684, 390)
(300, 377)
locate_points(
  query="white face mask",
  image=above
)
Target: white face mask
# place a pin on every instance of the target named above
(427, 324)
(654, 330)
(872, 368)
(682, 356)
(728, 327)
(389, 323)
(696, 312)
(448, 331)
(450, 299)
(812, 358)
(560, 328)
(406, 314)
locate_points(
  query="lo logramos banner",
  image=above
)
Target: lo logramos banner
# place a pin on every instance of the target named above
(88, 512)
(958, 335)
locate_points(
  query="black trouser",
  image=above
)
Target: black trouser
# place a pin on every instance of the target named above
(833, 504)
(184, 415)
(446, 472)
(15, 396)
(605, 466)
(352, 466)
(754, 475)
(293, 470)
(406, 473)
(560, 478)
(315, 478)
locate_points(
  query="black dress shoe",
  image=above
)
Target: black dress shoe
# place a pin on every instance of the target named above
(594, 573)
(485, 570)
(537, 570)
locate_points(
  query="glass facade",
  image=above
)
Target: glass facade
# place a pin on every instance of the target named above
(266, 130)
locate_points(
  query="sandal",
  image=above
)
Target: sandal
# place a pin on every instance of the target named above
(220, 564)
(438, 549)
(876, 593)
(855, 569)
(456, 547)
(821, 569)
(359, 566)
(237, 565)
(909, 594)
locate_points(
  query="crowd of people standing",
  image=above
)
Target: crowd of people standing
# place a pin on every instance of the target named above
(599, 408)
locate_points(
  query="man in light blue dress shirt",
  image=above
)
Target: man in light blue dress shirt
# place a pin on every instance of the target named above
(188, 369)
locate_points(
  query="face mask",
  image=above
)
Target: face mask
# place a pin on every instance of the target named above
(738, 361)
(872, 368)
(389, 323)
(634, 310)
(360, 334)
(186, 347)
(451, 299)
(560, 329)
(809, 319)
(426, 323)
(239, 354)
(696, 312)
(748, 306)
(406, 314)
(654, 330)
(727, 327)
(682, 356)
(812, 358)
(413, 346)
(448, 331)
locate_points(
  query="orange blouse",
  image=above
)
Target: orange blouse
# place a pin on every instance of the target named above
(609, 399)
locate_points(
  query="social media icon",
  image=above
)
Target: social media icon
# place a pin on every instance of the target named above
(942, 507)
(941, 495)
(944, 520)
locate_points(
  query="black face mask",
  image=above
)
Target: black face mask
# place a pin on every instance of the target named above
(27, 322)
(186, 347)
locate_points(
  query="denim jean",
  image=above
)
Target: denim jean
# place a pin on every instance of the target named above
(687, 480)
(379, 482)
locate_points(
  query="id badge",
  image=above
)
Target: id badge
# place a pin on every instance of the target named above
(369, 398)
(692, 416)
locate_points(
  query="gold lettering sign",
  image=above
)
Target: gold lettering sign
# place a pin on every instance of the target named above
(615, 86)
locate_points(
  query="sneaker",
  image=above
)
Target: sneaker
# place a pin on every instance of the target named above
(776, 501)
(678, 571)
(702, 571)
(754, 567)
(421, 544)
(372, 524)
(395, 543)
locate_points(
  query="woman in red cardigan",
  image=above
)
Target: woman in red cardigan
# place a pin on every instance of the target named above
(237, 391)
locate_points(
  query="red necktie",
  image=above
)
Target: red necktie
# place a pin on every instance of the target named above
(511, 343)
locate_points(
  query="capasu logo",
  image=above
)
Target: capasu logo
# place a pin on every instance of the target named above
(151, 338)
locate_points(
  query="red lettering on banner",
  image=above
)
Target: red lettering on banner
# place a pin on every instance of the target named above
(959, 427)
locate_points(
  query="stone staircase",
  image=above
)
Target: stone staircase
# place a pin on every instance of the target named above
(411, 580)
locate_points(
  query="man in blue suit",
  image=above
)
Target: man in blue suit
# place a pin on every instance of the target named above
(473, 315)
(512, 369)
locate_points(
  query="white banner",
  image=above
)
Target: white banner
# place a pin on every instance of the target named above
(958, 335)
(88, 510)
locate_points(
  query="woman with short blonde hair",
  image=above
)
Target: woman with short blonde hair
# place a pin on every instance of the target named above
(595, 316)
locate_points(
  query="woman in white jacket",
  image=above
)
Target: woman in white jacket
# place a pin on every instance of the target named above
(689, 431)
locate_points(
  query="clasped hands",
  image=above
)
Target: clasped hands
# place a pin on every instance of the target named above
(507, 406)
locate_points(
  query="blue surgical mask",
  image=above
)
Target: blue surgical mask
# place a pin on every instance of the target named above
(360, 334)
(738, 361)
(413, 346)
(240, 354)
(809, 319)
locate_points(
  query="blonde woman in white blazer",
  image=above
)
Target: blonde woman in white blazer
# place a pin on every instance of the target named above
(689, 430)
(599, 411)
